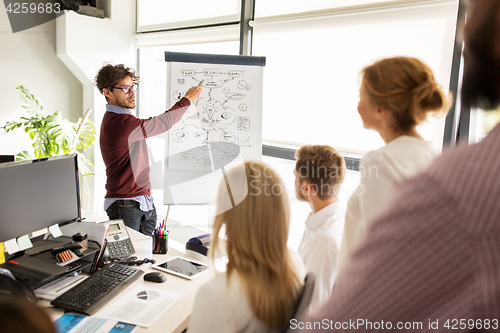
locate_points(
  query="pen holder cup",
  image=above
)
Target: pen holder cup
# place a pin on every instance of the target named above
(160, 242)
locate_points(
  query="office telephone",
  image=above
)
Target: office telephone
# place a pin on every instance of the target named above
(119, 244)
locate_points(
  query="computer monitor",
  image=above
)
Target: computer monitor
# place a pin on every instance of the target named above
(7, 158)
(37, 194)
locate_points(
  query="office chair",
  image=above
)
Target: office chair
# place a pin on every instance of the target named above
(303, 301)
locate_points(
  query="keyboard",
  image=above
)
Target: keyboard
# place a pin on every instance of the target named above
(98, 289)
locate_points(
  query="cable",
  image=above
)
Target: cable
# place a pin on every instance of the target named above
(131, 261)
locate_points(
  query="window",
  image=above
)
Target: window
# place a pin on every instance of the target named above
(154, 15)
(284, 7)
(153, 69)
(314, 52)
(299, 210)
(184, 221)
(481, 123)
(222, 37)
(312, 70)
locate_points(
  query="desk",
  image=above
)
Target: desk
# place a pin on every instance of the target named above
(176, 318)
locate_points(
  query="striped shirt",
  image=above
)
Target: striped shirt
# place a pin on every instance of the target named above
(433, 256)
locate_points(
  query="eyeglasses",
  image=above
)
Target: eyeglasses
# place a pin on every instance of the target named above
(126, 89)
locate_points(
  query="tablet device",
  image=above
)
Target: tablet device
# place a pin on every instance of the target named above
(186, 268)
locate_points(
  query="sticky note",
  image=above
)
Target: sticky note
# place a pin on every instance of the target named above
(11, 246)
(55, 230)
(24, 242)
(2, 254)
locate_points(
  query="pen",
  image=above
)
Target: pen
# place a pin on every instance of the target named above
(164, 242)
(158, 243)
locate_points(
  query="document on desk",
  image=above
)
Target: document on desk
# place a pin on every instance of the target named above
(56, 288)
(69, 323)
(141, 306)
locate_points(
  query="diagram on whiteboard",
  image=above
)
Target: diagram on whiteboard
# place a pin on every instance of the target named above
(224, 113)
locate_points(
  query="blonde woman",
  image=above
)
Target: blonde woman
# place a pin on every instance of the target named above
(396, 95)
(258, 291)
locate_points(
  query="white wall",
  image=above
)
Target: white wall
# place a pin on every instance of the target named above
(57, 62)
(29, 58)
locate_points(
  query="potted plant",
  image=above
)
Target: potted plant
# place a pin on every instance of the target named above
(51, 134)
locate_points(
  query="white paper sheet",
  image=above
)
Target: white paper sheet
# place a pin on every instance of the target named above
(69, 323)
(55, 230)
(141, 306)
(11, 246)
(24, 242)
(54, 289)
(226, 112)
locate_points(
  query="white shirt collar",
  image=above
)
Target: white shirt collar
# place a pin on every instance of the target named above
(117, 109)
(315, 220)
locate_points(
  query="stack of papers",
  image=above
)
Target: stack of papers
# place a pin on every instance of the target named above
(68, 323)
(141, 306)
(54, 289)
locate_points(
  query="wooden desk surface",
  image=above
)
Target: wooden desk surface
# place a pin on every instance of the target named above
(176, 318)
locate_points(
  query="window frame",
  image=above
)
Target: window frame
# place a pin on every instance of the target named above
(457, 120)
(181, 25)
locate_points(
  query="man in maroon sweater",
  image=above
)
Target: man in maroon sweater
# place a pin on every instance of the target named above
(124, 149)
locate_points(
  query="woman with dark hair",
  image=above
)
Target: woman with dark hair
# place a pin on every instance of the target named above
(20, 315)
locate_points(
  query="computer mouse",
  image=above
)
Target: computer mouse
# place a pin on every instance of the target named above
(157, 277)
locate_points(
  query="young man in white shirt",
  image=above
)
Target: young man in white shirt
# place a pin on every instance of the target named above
(319, 172)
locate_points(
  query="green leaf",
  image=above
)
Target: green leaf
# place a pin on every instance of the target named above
(62, 131)
(42, 144)
(22, 156)
(51, 134)
(31, 103)
(87, 134)
(11, 125)
(84, 165)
